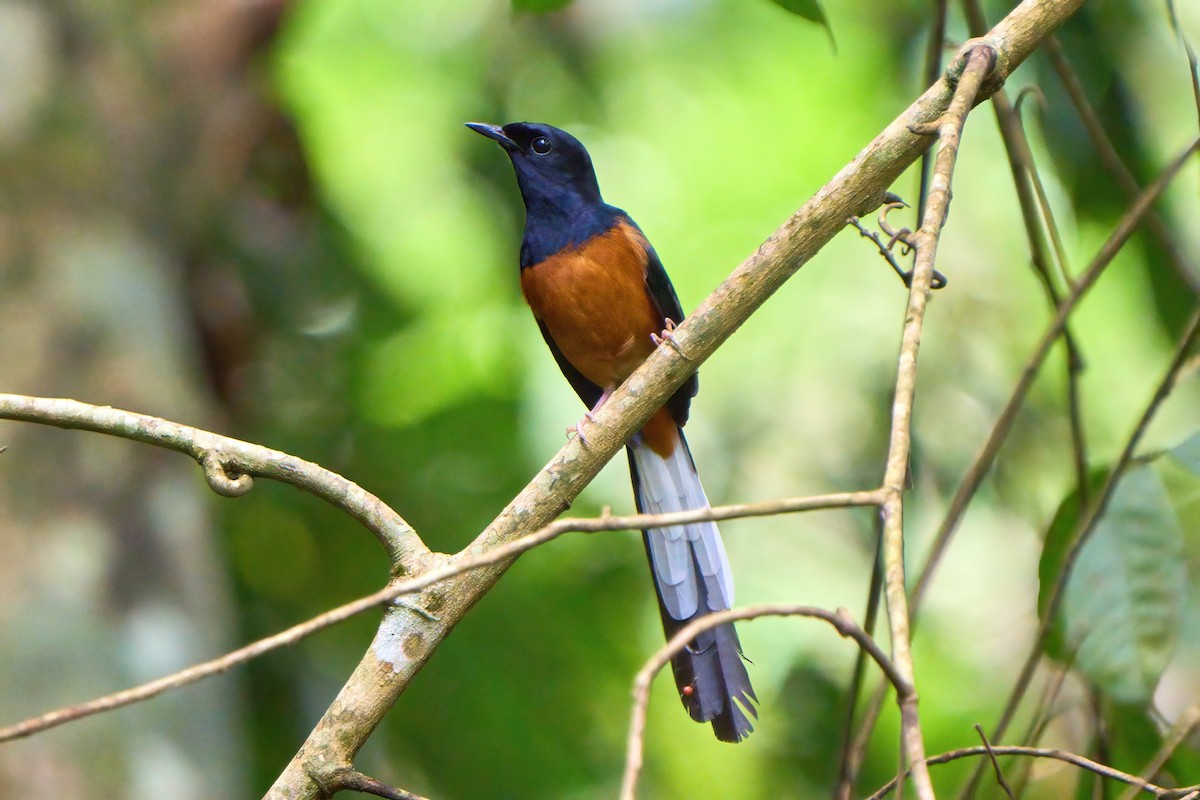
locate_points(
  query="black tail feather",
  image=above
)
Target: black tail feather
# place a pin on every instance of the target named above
(710, 673)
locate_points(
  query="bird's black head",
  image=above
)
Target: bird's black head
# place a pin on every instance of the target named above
(554, 171)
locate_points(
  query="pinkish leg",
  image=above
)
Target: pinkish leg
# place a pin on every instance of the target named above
(577, 428)
(607, 393)
(667, 336)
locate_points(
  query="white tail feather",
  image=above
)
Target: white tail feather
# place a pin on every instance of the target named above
(671, 484)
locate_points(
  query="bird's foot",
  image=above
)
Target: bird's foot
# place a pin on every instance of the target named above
(577, 429)
(588, 416)
(667, 335)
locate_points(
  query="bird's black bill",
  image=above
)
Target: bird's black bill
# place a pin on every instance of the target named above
(494, 132)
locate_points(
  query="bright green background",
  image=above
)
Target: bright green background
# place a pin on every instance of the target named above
(710, 123)
(390, 343)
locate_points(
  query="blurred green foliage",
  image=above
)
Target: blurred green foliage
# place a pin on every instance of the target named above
(388, 341)
(1118, 617)
(709, 123)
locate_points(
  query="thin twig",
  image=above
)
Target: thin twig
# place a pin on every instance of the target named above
(1110, 159)
(452, 568)
(1025, 176)
(1182, 729)
(982, 463)
(840, 620)
(1084, 530)
(1034, 214)
(354, 781)
(887, 249)
(1037, 726)
(1027, 184)
(1022, 160)
(1039, 187)
(995, 764)
(976, 60)
(229, 464)
(1058, 755)
(852, 752)
(884, 250)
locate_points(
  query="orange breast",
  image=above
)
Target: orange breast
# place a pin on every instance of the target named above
(595, 304)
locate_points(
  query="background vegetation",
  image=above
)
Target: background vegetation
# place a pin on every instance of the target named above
(266, 219)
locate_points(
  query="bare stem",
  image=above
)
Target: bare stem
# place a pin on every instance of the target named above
(979, 60)
(1084, 529)
(1110, 159)
(449, 569)
(1102, 770)
(230, 464)
(1182, 729)
(840, 620)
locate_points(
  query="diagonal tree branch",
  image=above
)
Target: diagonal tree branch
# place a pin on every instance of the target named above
(387, 669)
(1086, 525)
(408, 634)
(1058, 755)
(399, 588)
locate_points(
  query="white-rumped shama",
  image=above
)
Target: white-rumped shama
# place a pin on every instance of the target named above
(600, 296)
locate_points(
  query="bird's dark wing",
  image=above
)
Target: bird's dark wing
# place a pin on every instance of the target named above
(661, 289)
(588, 392)
(662, 293)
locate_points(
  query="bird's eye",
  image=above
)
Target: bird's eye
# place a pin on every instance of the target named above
(541, 145)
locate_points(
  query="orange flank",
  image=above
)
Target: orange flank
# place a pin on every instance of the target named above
(661, 433)
(597, 308)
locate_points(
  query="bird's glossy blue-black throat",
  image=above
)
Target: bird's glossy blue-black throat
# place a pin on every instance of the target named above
(551, 228)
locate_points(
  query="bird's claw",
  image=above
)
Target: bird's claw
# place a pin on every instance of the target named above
(577, 429)
(588, 416)
(667, 336)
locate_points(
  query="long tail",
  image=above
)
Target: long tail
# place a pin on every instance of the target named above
(692, 577)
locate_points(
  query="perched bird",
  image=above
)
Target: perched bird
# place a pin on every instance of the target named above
(601, 297)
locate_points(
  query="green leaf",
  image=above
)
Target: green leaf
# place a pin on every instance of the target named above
(1188, 454)
(808, 9)
(1133, 735)
(1054, 552)
(1120, 614)
(539, 6)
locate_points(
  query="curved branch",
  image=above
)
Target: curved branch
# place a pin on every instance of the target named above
(230, 465)
(406, 640)
(390, 594)
(840, 620)
(1102, 770)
